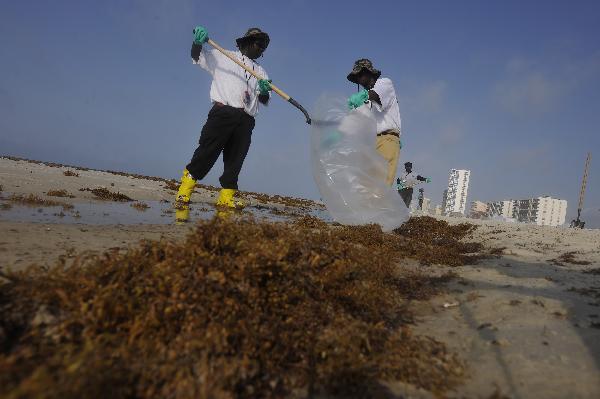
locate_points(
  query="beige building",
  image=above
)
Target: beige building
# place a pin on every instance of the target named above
(478, 209)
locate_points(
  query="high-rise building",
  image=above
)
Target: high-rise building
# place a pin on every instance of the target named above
(500, 208)
(426, 205)
(546, 211)
(456, 196)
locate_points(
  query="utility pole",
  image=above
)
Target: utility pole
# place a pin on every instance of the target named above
(577, 223)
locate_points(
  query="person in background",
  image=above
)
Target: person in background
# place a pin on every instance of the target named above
(379, 94)
(406, 183)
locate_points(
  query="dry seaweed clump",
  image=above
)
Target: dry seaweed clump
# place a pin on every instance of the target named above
(106, 194)
(140, 206)
(569, 257)
(241, 309)
(34, 200)
(70, 173)
(434, 241)
(59, 193)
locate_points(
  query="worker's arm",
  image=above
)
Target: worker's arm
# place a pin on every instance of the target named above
(200, 37)
(195, 51)
(264, 98)
(374, 97)
(425, 179)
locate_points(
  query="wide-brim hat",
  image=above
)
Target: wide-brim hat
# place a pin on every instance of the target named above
(359, 65)
(253, 34)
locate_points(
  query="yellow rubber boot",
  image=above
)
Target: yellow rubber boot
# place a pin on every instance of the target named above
(186, 188)
(226, 199)
(182, 214)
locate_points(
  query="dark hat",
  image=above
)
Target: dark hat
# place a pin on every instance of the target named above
(253, 34)
(359, 65)
(407, 163)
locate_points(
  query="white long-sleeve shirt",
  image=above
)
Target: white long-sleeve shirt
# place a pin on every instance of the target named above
(231, 84)
(387, 114)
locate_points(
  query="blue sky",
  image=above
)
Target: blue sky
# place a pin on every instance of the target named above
(509, 90)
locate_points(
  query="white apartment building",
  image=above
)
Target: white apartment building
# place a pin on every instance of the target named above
(456, 196)
(544, 211)
(501, 208)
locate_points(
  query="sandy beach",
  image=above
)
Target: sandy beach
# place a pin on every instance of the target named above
(525, 318)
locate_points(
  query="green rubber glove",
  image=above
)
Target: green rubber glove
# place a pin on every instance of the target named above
(358, 99)
(428, 180)
(264, 86)
(400, 186)
(200, 35)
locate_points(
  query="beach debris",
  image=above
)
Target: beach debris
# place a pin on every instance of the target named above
(569, 257)
(484, 325)
(59, 193)
(105, 194)
(538, 302)
(238, 309)
(450, 304)
(140, 206)
(172, 185)
(34, 200)
(434, 241)
(70, 173)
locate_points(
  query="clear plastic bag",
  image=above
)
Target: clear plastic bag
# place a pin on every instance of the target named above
(348, 170)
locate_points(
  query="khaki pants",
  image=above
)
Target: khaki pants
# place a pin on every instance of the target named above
(388, 147)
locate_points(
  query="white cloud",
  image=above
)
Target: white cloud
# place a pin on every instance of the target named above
(532, 91)
(530, 86)
(426, 98)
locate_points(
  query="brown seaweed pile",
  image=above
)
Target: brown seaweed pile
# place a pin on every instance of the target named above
(70, 173)
(34, 200)
(569, 257)
(140, 206)
(59, 193)
(107, 195)
(434, 241)
(241, 309)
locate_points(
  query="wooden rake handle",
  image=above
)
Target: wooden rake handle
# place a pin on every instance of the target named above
(276, 89)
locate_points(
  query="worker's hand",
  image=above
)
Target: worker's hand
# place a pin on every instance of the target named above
(195, 51)
(400, 185)
(428, 180)
(200, 35)
(358, 99)
(264, 87)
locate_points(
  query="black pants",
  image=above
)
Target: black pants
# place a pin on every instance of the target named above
(406, 194)
(227, 130)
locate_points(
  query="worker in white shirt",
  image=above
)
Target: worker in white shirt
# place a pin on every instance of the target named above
(406, 183)
(380, 95)
(235, 95)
